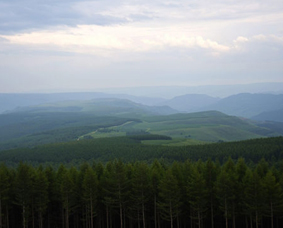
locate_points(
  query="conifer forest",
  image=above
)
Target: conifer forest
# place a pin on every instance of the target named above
(116, 194)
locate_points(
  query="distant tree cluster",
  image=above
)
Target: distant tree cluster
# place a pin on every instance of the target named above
(201, 194)
(130, 149)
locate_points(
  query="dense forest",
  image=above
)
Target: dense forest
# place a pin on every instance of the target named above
(131, 149)
(121, 195)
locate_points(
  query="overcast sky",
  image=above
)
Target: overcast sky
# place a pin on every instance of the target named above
(70, 45)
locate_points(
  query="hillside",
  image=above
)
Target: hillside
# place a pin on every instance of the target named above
(276, 115)
(245, 105)
(130, 150)
(110, 117)
(188, 128)
(190, 102)
(9, 102)
(248, 105)
(101, 106)
(208, 126)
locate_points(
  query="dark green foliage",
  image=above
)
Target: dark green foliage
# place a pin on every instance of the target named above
(272, 196)
(253, 197)
(5, 189)
(274, 126)
(149, 137)
(30, 129)
(198, 195)
(90, 193)
(128, 149)
(121, 194)
(24, 191)
(169, 197)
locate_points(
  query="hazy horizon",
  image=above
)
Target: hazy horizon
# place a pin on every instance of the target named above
(169, 92)
(76, 45)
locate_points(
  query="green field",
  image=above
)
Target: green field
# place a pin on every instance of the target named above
(187, 129)
(174, 142)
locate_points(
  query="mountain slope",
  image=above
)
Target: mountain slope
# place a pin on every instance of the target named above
(276, 115)
(101, 106)
(9, 102)
(248, 105)
(204, 126)
(190, 102)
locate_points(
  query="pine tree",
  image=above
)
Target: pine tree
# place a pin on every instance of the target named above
(210, 175)
(170, 197)
(54, 198)
(197, 193)
(115, 187)
(40, 194)
(241, 169)
(5, 188)
(67, 187)
(156, 174)
(90, 189)
(23, 186)
(226, 182)
(253, 197)
(272, 194)
(140, 190)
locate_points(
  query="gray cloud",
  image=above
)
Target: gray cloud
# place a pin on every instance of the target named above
(3, 40)
(18, 15)
(129, 43)
(30, 15)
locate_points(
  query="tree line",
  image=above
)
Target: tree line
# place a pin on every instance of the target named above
(131, 149)
(202, 194)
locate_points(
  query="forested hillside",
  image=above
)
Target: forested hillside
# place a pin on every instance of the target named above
(131, 149)
(183, 194)
(63, 123)
(74, 166)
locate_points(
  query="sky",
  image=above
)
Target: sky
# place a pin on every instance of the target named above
(71, 45)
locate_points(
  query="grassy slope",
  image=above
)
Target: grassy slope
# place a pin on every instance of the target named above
(69, 120)
(188, 129)
(30, 129)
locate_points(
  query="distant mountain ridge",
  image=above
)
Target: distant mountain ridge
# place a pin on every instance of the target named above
(9, 102)
(276, 115)
(221, 91)
(248, 105)
(257, 106)
(244, 105)
(191, 102)
(99, 106)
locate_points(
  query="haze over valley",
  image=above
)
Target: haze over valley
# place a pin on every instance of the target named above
(33, 119)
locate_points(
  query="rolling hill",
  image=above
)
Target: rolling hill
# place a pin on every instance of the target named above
(100, 106)
(276, 115)
(247, 105)
(9, 102)
(111, 117)
(190, 102)
(184, 128)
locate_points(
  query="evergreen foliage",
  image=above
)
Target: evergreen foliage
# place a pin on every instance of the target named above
(131, 150)
(117, 194)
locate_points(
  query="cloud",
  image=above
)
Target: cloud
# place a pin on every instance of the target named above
(31, 15)
(260, 40)
(49, 43)
(95, 39)
(3, 40)
(19, 15)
